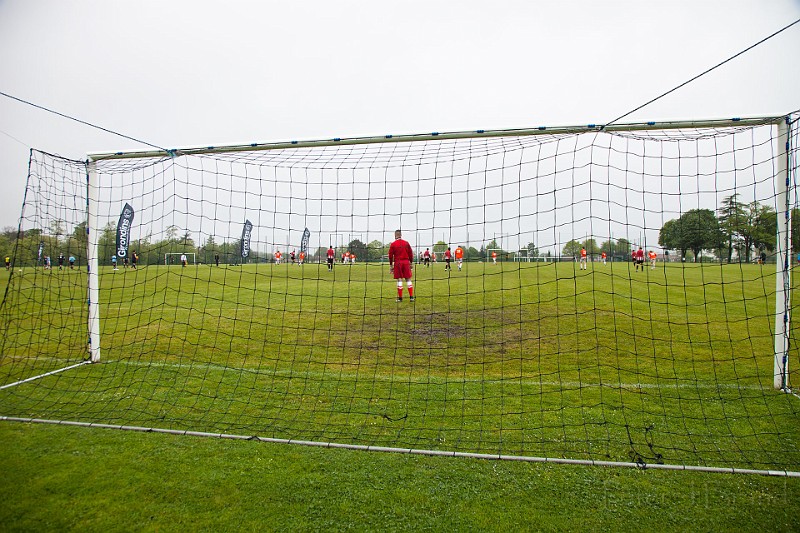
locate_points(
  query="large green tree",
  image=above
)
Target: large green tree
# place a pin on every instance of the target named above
(695, 230)
(572, 248)
(359, 249)
(760, 230)
(732, 223)
(376, 250)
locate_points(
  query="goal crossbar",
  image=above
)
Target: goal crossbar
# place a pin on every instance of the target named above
(434, 136)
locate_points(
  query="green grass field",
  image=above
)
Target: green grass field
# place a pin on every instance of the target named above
(672, 365)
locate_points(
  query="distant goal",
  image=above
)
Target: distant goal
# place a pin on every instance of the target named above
(174, 258)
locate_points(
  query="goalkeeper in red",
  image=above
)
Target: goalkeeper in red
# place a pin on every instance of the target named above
(400, 257)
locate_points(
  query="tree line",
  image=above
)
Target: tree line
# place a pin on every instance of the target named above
(734, 232)
(24, 247)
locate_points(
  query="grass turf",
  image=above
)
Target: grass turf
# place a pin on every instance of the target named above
(65, 478)
(672, 365)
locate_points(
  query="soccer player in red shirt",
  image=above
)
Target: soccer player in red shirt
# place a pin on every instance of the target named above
(448, 256)
(583, 258)
(331, 256)
(603, 257)
(400, 257)
(640, 258)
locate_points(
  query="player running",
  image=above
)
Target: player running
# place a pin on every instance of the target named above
(400, 257)
(494, 258)
(603, 257)
(652, 256)
(302, 258)
(459, 257)
(278, 256)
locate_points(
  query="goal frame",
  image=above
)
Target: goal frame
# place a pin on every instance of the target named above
(193, 254)
(499, 254)
(782, 181)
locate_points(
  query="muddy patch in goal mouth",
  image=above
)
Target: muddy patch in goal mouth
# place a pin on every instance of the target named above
(437, 327)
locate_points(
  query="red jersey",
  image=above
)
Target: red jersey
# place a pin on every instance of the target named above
(640, 254)
(459, 253)
(448, 254)
(651, 255)
(583, 252)
(331, 253)
(603, 255)
(400, 251)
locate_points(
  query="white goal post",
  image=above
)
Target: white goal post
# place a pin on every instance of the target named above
(178, 256)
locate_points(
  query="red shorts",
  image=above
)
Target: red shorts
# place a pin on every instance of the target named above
(402, 270)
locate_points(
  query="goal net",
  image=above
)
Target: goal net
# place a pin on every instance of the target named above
(685, 360)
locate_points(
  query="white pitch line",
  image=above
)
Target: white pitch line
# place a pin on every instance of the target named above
(666, 385)
(44, 375)
(438, 380)
(416, 451)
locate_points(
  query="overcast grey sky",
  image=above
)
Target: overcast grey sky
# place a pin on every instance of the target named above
(189, 73)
